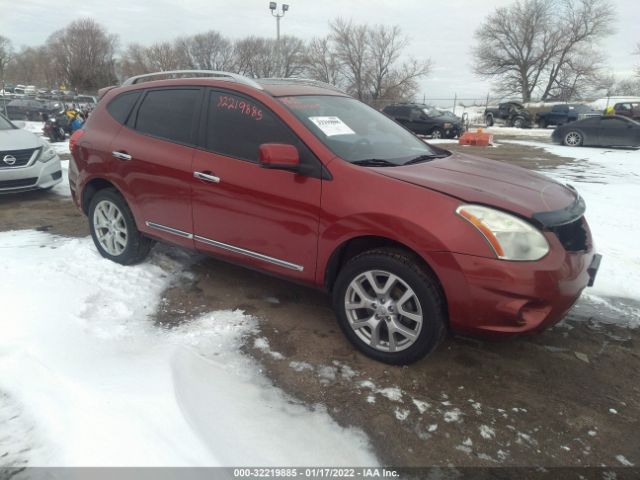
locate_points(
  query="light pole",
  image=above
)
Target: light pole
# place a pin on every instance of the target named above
(273, 6)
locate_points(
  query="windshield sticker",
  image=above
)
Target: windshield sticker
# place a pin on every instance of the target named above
(331, 126)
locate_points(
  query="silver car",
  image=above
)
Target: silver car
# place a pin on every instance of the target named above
(27, 162)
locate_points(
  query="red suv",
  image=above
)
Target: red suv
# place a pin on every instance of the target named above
(299, 180)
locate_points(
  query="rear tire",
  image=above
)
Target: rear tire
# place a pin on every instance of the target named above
(114, 229)
(489, 120)
(518, 122)
(573, 138)
(401, 318)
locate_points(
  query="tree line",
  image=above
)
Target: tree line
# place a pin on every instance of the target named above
(532, 49)
(367, 61)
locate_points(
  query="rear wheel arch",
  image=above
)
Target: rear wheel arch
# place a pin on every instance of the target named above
(91, 188)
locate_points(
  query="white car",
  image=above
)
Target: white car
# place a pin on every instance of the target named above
(27, 162)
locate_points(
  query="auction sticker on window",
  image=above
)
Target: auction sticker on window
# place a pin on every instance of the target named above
(331, 126)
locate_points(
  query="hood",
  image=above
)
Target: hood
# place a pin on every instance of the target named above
(488, 182)
(18, 139)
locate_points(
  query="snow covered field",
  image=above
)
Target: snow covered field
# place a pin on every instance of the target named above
(86, 378)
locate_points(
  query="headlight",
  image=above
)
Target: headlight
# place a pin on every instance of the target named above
(47, 153)
(510, 237)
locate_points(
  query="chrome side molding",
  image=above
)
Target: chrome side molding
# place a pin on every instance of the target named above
(226, 246)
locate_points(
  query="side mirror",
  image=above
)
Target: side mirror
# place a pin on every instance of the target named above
(279, 156)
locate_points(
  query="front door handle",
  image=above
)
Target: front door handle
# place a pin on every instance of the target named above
(121, 155)
(207, 177)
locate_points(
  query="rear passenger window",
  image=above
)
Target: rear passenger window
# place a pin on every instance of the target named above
(236, 127)
(121, 106)
(169, 114)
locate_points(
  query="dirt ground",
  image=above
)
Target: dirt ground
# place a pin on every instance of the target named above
(568, 397)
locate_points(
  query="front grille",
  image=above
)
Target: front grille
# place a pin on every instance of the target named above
(572, 236)
(22, 157)
(22, 182)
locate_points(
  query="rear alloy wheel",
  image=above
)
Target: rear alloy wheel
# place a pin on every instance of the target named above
(437, 133)
(389, 307)
(114, 230)
(573, 139)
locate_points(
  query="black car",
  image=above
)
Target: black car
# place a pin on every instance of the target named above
(29, 109)
(565, 113)
(425, 120)
(606, 131)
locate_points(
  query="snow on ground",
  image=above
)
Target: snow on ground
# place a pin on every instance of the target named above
(498, 131)
(609, 181)
(94, 382)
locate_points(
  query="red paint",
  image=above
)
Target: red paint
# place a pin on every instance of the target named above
(305, 220)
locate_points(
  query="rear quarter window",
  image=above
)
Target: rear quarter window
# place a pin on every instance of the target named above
(169, 114)
(120, 107)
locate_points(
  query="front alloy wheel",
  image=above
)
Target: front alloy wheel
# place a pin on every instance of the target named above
(390, 305)
(383, 311)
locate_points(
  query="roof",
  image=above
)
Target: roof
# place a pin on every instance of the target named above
(276, 87)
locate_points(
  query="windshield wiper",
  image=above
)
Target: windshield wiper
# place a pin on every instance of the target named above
(374, 162)
(426, 158)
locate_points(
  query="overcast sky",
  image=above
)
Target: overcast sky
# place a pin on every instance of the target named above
(441, 30)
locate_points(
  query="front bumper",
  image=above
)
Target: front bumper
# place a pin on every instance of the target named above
(33, 177)
(496, 298)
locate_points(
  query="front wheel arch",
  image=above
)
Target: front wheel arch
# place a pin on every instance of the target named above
(355, 246)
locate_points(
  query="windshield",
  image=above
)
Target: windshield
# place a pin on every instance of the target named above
(5, 124)
(356, 132)
(432, 112)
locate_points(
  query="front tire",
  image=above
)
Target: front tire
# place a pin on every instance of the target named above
(390, 308)
(573, 138)
(114, 229)
(437, 133)
(489, 120)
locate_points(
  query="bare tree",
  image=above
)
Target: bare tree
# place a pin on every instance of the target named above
(528, 46)
(386, 78)
(84, 54)
(352, 50)
(322, 62)
(206, 51)
(6, 53)
(133, 61)
(163, 56)
(261, 58)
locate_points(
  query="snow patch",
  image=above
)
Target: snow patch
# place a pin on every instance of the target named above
(453, 415)
(300, 366)
(421, 405)
(487, 432)
(262, 344)
(102, 385)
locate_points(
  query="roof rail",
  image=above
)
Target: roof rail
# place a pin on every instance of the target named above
(194, 74)
(302, 81)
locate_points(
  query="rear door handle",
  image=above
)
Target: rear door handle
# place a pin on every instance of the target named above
(121, 155)
(207, 177)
